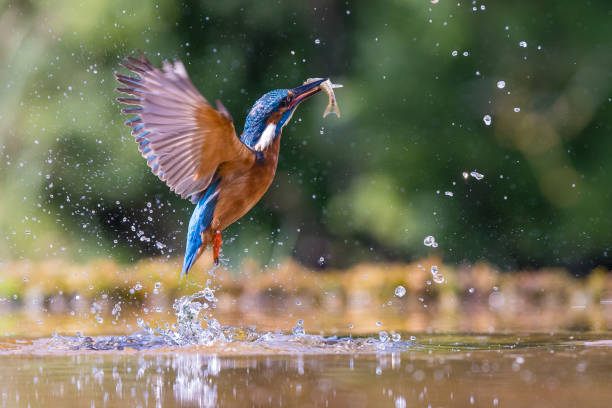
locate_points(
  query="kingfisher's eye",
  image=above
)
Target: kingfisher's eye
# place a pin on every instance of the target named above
(285, 102)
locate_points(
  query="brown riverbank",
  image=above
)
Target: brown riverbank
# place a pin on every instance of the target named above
(64, 297)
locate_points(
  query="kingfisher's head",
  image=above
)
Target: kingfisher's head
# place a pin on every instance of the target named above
(273, 111)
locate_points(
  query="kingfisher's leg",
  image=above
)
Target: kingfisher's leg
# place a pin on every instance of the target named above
(217, 242)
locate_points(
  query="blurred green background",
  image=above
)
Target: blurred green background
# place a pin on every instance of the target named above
(419, 78)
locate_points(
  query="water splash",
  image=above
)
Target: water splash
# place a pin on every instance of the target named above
(196, 327)
(195, 324)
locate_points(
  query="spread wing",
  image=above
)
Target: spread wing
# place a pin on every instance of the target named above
(183, 138)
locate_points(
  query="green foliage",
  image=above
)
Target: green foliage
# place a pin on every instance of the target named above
(367, 186)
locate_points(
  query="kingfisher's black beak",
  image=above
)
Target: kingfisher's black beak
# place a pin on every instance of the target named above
(305, 91)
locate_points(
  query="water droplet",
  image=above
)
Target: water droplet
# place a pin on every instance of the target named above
(465, 53)
(400, 402)
(379, 324)
(138, 286)
(448, 193)
(477, 175)
(116, 309)
(487, 120)
(434, 1)
(454, 53)
(438, 278)
(471, 290)
(383, 336)
(321, 261)
(395, 337)
(400, 291)
(429, 240)
(412, 338)
(317, 41)
(523, 44)
(501, 84)
(209, 295)
(517, 109)
(298, 330)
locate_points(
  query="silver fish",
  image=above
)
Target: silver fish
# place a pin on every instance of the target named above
(328, 88)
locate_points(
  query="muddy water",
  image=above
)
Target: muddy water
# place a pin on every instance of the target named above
(287, 370)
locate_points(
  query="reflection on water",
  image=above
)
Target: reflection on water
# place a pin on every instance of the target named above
(192, 384)
(505, 371)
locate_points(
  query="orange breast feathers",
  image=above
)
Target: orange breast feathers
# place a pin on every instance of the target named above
(240, 189)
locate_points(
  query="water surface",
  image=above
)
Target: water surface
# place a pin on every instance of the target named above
(275, 369)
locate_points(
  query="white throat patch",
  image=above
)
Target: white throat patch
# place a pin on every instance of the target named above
(266, 137)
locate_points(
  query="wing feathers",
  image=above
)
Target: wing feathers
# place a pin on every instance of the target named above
(183, 138)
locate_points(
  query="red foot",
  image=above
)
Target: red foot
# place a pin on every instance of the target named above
(217, 242)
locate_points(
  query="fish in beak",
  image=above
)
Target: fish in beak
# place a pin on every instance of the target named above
(305, 91)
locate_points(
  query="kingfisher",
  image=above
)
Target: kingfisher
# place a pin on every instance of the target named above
(194, 149)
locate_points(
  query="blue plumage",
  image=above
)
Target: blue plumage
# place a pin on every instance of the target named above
(284, 119)
(256, 120)
(198, 223)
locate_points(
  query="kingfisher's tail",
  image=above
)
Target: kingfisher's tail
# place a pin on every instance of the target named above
(191, 255)
(198, 223)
